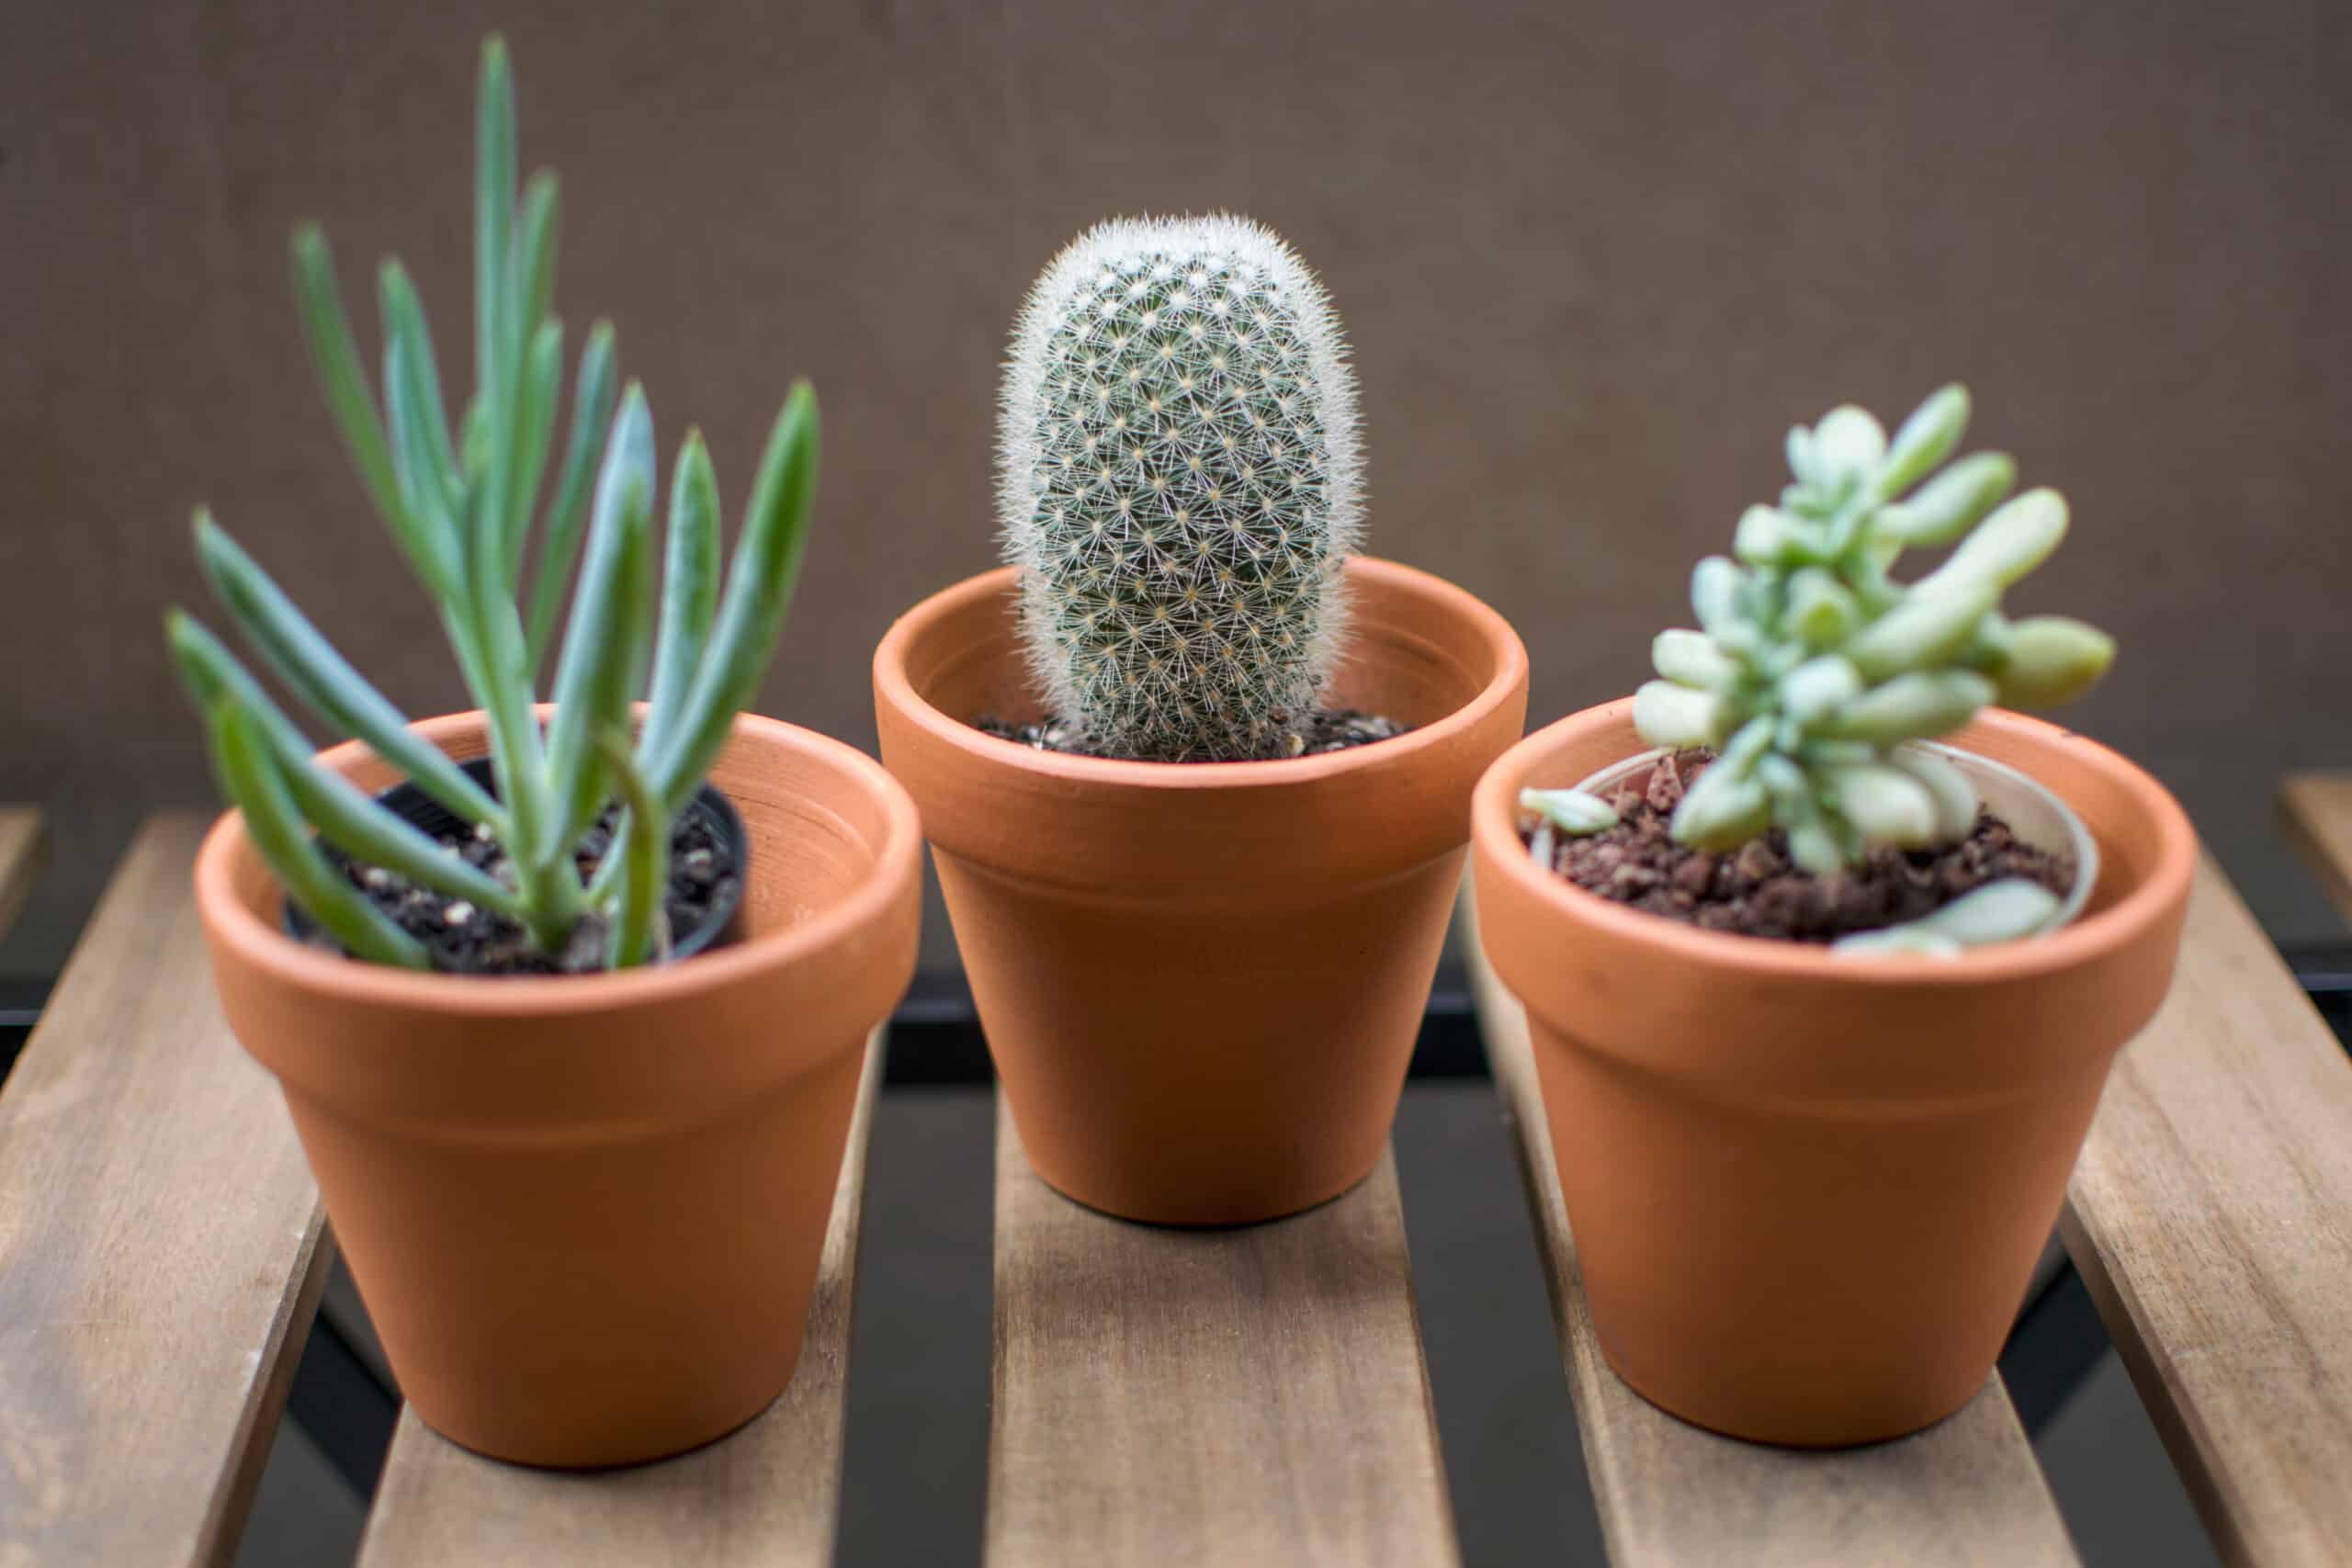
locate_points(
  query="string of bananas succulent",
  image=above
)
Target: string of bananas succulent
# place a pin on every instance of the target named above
(1812, 667)
(460, 507)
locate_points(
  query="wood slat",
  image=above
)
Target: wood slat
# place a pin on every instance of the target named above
(1967, 1490)
(2318, 809)
(1208, 1396)
(20, 846)
(161, 1246)
(768, 1495)
(2211, 1216)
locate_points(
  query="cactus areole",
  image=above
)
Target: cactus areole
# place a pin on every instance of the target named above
(1180, 480)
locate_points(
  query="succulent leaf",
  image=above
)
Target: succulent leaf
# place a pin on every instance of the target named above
(1886, 805)
(422, 456)
(1955, 797)
(1820, 610)
(1848, 445)
(1947, 505)
(1722, 810)
(1922, 630)
(642, 851)
(1804, 461)
(494, 345)
(689, 588)
(2014, 539)
(1669, 714)
(1999, 911)
(1715, 598)
(320, 676)
(1570, 811)
(328, 331)
(596, 676)
(761, 577)
(535, 418)
(592, 400)
(1818, 686)
(250, 778)
(2052, 659)
(1692, 659)
(1924, 439)
(1915, 706)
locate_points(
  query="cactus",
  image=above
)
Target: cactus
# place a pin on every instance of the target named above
(1178, 479)
(1814, 666)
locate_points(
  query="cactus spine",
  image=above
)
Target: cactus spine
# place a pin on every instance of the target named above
(1180, 480)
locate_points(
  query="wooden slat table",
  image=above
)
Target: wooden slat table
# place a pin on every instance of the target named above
(2211, 1215)
(1159, 1395)
(161, 1246)
(1252, 1395)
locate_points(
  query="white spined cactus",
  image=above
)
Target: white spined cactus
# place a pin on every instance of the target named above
(1814, 669)
(1180, 478)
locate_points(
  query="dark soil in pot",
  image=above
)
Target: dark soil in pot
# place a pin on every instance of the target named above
(708, 855)
(1756, 890)
(1329, 730)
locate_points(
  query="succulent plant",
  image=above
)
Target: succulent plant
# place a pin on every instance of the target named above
(1179, 477)
(1812, 667)
(460, 505)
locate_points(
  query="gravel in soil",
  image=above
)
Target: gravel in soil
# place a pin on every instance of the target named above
(1327, 729)
(468, 940)
(1756, 890)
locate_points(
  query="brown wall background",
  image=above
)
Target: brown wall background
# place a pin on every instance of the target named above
(1594, 261)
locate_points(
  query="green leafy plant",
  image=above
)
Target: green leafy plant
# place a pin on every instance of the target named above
(1812, 668)
(461, 504)
(1180, 478)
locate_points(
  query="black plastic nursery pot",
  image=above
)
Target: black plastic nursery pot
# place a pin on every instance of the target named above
(720, 925)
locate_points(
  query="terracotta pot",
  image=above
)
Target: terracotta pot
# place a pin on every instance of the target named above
(1807, 1192)
(1202, 981)
(585, 1212)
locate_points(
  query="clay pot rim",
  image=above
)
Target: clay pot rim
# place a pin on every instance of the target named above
(1495, 836)
(893, 686)
(353, 982)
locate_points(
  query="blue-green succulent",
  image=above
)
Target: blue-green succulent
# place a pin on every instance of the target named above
(461, 504)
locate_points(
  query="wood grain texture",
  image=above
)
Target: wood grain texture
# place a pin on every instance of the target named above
(2318, 810)
(1967, 1490)
(21, 847)
(2211, 1217)
(768, 1495)
(1176, 1397)
(161, 1246)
